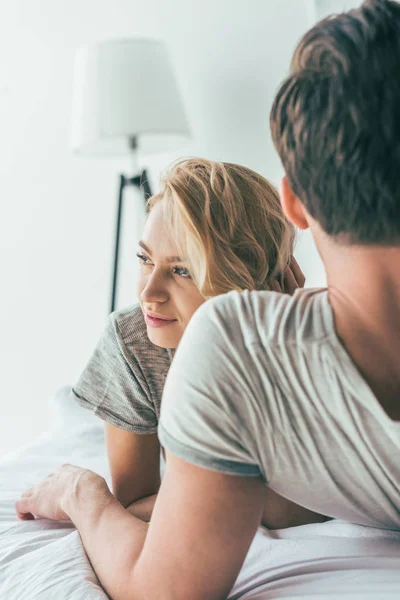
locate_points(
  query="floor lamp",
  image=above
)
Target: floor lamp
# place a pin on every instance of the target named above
(125, 101)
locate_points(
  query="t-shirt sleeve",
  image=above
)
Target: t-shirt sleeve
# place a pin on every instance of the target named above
(203, 413)
(113, 386)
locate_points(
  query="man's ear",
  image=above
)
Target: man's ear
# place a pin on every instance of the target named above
(291, 205)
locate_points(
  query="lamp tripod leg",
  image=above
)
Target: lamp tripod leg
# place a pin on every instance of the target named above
(117, 240)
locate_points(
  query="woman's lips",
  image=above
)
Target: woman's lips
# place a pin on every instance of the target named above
(157, 321)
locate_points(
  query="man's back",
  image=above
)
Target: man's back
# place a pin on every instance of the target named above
(285, 401)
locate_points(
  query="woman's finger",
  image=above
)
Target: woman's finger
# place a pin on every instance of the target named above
(26, 517)
(22, 510)
(276, 287)
(297, 272)
(291, 284)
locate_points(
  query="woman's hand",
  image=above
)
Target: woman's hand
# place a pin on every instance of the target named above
(292, 279)
(143, 509)
(48, 499)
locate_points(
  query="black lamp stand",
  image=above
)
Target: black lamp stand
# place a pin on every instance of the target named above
(138, 181)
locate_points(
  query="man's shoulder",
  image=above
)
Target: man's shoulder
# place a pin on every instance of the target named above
(271, 317)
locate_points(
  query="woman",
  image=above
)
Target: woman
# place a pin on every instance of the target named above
(213, 228)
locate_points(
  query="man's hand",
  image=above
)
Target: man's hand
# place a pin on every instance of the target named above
(49, 498)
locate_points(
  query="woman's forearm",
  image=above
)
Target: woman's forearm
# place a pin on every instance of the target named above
(280, 513)
(113, 538)
(143, 509)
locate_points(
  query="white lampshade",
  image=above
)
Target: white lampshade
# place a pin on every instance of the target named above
(126, 89)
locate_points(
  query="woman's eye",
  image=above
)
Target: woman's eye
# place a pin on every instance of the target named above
(182, 272)
(143, 260)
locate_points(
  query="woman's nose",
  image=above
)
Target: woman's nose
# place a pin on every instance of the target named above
(155, 289)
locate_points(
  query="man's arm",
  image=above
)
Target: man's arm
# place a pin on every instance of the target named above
(202, 526)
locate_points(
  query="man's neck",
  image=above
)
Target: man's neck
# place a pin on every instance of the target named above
(364, 282)
(364, 292)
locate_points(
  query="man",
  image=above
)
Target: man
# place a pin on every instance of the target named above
(298, 394)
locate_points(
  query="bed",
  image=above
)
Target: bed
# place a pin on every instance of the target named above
(46, 559)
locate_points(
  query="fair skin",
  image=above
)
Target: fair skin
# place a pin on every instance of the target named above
(362, 295)
(165, 288)
(203, 521)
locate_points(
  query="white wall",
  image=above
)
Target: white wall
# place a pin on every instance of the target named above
(328, 7)
(57, 211)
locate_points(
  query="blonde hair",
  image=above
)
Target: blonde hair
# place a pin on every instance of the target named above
(228, 224)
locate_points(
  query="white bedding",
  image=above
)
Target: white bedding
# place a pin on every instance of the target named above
(45, 559)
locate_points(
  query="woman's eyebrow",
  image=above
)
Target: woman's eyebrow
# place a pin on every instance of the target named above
(143, 245)
(170, 259)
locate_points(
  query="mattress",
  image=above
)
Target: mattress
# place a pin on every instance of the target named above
(46, 559)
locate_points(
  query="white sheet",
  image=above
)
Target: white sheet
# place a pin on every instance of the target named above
(45, 559)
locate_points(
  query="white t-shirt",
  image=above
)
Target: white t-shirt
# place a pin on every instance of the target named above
(261, 386)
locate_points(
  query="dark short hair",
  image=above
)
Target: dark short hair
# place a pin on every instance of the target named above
(335, 123)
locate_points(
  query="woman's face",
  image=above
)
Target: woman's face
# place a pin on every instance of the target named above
(168, 296)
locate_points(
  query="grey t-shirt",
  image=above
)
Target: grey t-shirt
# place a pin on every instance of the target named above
(124, 380)
(262, 386)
